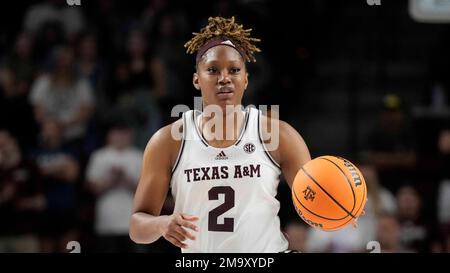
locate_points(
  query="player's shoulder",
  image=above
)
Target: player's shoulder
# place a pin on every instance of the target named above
(165, 143)
(270, 124)
(162, 148)
(167, 136)
(280, 136)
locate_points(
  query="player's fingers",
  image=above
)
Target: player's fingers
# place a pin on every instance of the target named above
(175, 241)
(186, 223)
(177, 235)
(189, 217)
(185, 233)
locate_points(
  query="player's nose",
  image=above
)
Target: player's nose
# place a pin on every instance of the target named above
(224, 78)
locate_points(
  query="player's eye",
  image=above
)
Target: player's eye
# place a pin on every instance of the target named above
(212, 69)
(235, 70)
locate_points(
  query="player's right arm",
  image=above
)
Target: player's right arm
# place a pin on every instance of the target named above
(146, 224)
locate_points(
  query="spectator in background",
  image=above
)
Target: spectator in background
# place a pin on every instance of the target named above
(21, 199)
(443, 198)
(296, 234)
(88, 65)
(150, 13)
(22, 62)
(57, 12)
(59, 169)
(170, 66)
(391, 145)
(17, 71)
(63, 96)
(346, 240)
(259, 82)
(379, 201)
(112, 175)
(133, 82)
(16, 113)
(132, 72)
(444, 188)
(388, 234)
(414, 233)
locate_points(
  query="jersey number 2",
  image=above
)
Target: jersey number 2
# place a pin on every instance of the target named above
(228, 223)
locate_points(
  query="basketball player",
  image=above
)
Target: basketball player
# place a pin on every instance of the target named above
(224, 189)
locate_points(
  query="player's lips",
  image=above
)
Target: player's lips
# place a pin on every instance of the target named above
(225, 92)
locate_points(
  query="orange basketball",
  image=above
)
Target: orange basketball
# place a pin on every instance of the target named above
(329, 193)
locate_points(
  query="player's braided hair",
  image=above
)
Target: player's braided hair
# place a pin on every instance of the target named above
(219, 26)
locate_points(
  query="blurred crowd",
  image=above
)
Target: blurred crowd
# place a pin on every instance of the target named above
(82, 91)
(80, 97)
(403, 213)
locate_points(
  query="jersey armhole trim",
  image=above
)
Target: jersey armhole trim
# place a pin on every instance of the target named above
(180, 151)
(195, 114)
(263, 144)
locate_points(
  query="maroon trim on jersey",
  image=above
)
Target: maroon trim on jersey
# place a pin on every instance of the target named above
(247, 116)
(180, 153)
(202, 138)
(194, 120)
(262, 142)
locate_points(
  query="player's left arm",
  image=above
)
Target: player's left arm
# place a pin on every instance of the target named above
(292, 152)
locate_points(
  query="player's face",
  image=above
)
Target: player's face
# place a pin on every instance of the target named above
(221, 76)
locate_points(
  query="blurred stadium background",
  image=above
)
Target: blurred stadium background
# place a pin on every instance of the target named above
(82, 89)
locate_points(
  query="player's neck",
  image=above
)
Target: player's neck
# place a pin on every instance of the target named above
(222, 128)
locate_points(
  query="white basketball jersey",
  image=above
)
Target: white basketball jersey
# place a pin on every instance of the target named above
(232, 190)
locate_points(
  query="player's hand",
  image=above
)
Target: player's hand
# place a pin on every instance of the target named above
(175, 229)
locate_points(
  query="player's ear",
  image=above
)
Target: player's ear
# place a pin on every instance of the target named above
(195, 81)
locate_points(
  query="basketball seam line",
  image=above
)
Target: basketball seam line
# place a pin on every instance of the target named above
(364, 196)
(331, 219)
(353, 192)
(329, 195)
(359, 208)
